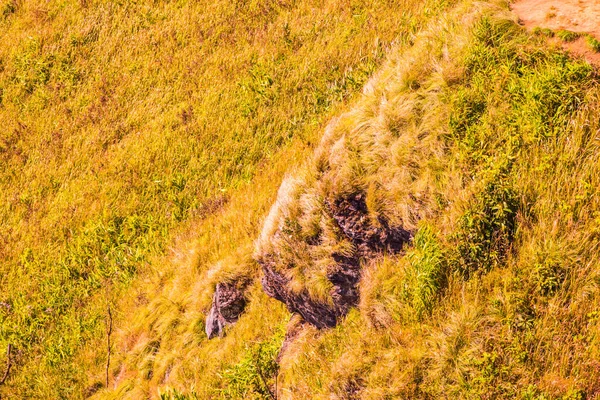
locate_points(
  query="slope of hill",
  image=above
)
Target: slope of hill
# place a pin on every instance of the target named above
(478, 141)
(437, 239)
(126, 124)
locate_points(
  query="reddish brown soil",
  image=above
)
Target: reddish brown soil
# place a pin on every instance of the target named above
(582, 16)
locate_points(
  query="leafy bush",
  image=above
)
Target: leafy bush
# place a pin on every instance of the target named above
(549, 276)
(486, 229)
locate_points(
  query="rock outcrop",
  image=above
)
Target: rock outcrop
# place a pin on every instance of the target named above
(321, 315)
(351, 216)
(228, 304)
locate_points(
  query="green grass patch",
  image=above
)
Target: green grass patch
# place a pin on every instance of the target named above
(543, 32)
(567, 36)
(426, 274)
(593, 43)
(253, 377)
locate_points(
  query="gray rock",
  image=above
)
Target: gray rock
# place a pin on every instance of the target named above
(228, 304)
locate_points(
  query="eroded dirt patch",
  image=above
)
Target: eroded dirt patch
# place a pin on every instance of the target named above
(581, 16)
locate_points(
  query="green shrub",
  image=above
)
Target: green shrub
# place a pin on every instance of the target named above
(548, 276)
(486, 229)
(574, 394)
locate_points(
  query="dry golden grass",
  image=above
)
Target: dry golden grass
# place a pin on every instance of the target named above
(145, 145)
(125, 126)
(493, 165)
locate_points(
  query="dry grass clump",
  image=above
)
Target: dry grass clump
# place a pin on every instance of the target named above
(389, 148)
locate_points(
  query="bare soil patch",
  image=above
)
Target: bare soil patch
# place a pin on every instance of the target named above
(581, 16)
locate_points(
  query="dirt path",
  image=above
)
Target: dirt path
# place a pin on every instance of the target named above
(582, 16)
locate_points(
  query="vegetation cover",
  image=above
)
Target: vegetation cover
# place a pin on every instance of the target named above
(143, 145)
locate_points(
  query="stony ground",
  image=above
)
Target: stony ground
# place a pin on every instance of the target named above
(574, 15)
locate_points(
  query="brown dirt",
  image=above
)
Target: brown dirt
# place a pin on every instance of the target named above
(582, 16)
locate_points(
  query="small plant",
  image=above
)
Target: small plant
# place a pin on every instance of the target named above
(533, 393)
(486, 229)
(593, 43)
(549, 277)
(550, 268)
(425, 276)
(174, 394)
(255, 375)
(488, 367)
(543, 32)
(567, 36)
(574, 394)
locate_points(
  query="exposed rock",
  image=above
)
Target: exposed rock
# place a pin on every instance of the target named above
(351, 215)
(228, 303)
(275, 285)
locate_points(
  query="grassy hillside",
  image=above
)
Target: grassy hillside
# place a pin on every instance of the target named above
(145, 142)
(482, 142)
(127, 124)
